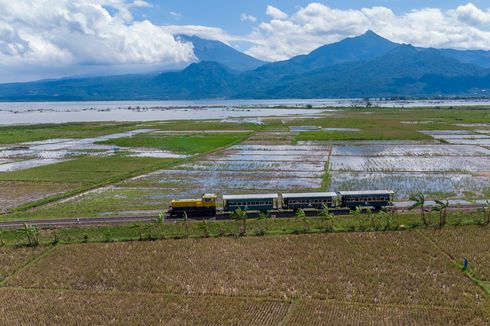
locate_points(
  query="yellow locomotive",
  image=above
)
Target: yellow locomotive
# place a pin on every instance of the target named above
(204, 206)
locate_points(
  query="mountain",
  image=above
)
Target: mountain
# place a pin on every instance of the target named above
(360, 48)
(401, 71)
(363, 66)
(209, 50)
(476, 57)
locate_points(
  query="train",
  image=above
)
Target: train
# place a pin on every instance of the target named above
(207, 205)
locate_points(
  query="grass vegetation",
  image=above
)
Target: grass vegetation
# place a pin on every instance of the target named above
(88, 172)
(28, 133)
(389, 124)
(188, 144)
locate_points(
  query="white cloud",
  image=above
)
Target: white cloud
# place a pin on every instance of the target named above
(82, 33)
(471, 14)
(176, 15)
(244, 18)
(210, 33)
(141, 4)
(465, 27)
(275, 13)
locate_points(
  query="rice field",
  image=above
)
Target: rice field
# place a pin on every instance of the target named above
(449, 185)
(15, 193)
(410, 164)
(65, 307)
(389, 278)
(471, 242)
(271, 267)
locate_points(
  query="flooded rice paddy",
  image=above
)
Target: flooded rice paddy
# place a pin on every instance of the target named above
(454, 164)
(457, 164)
(39, 153)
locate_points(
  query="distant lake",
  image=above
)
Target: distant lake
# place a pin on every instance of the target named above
(60, 112)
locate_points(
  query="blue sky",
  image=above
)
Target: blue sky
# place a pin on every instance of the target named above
(57, 38)
(226, 13)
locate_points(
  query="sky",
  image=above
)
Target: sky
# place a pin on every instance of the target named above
(42, 39)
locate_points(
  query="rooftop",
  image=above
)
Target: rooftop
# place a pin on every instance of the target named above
(367, 192)
(310, 194)
(250, 196)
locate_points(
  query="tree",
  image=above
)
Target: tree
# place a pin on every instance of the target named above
(160, 220)
(419, 199)
(328, 217)
(485, 210)
(204, 227)
(240, 216)
(441, 207)
(140, 229)
(186, 226)
(31, 233)
(301, 215)
(262, 219)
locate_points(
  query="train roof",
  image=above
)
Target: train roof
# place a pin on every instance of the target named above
(250, 196)
(310, 195)
(367, 192)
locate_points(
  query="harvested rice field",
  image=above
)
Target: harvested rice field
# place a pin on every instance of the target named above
(231, 267)
(52, 307)
(15, 193)
(388, 278)
(470, 242)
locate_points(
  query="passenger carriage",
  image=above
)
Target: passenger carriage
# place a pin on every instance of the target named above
(257, 202)
(373, 198)
(314, 200)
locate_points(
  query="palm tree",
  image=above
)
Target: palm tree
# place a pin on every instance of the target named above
(263, 216)
(139, 228)
(240, 216)
(441, 207)
(486, 211)
(204, 227)
(301, 215)
(419, 200)
(31, 233)
(160, 220)
(186, 226)
(328, 217)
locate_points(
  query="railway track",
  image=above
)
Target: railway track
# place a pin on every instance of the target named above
(115, 220)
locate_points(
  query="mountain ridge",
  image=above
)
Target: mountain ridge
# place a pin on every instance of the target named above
(364, 66)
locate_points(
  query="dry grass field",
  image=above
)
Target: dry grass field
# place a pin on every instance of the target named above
(48, 307)
(11, 259)
(390, 278)
(472, 242)
(327, 313)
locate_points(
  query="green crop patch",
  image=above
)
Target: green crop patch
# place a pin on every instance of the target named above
(28, 133)
(188, 144)
(85, 170)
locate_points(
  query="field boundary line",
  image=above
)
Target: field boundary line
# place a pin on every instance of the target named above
(287, 317)
(483, 285)
(292, 304)
(30, 263)
(292, 301)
